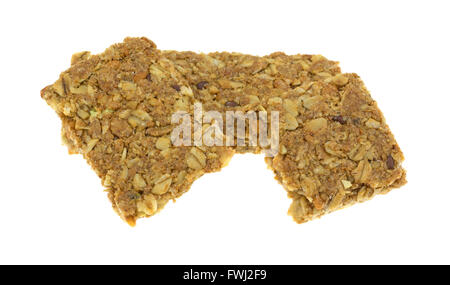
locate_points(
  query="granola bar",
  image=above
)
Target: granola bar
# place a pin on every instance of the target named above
(335, 148)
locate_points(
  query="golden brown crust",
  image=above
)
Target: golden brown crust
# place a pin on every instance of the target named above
(116, 107)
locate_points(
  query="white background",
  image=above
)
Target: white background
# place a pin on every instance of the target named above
(53, 209)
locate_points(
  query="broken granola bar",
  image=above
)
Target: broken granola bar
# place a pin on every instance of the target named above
(335, 148)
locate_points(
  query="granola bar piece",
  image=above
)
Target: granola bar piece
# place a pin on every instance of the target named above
(116, 107)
